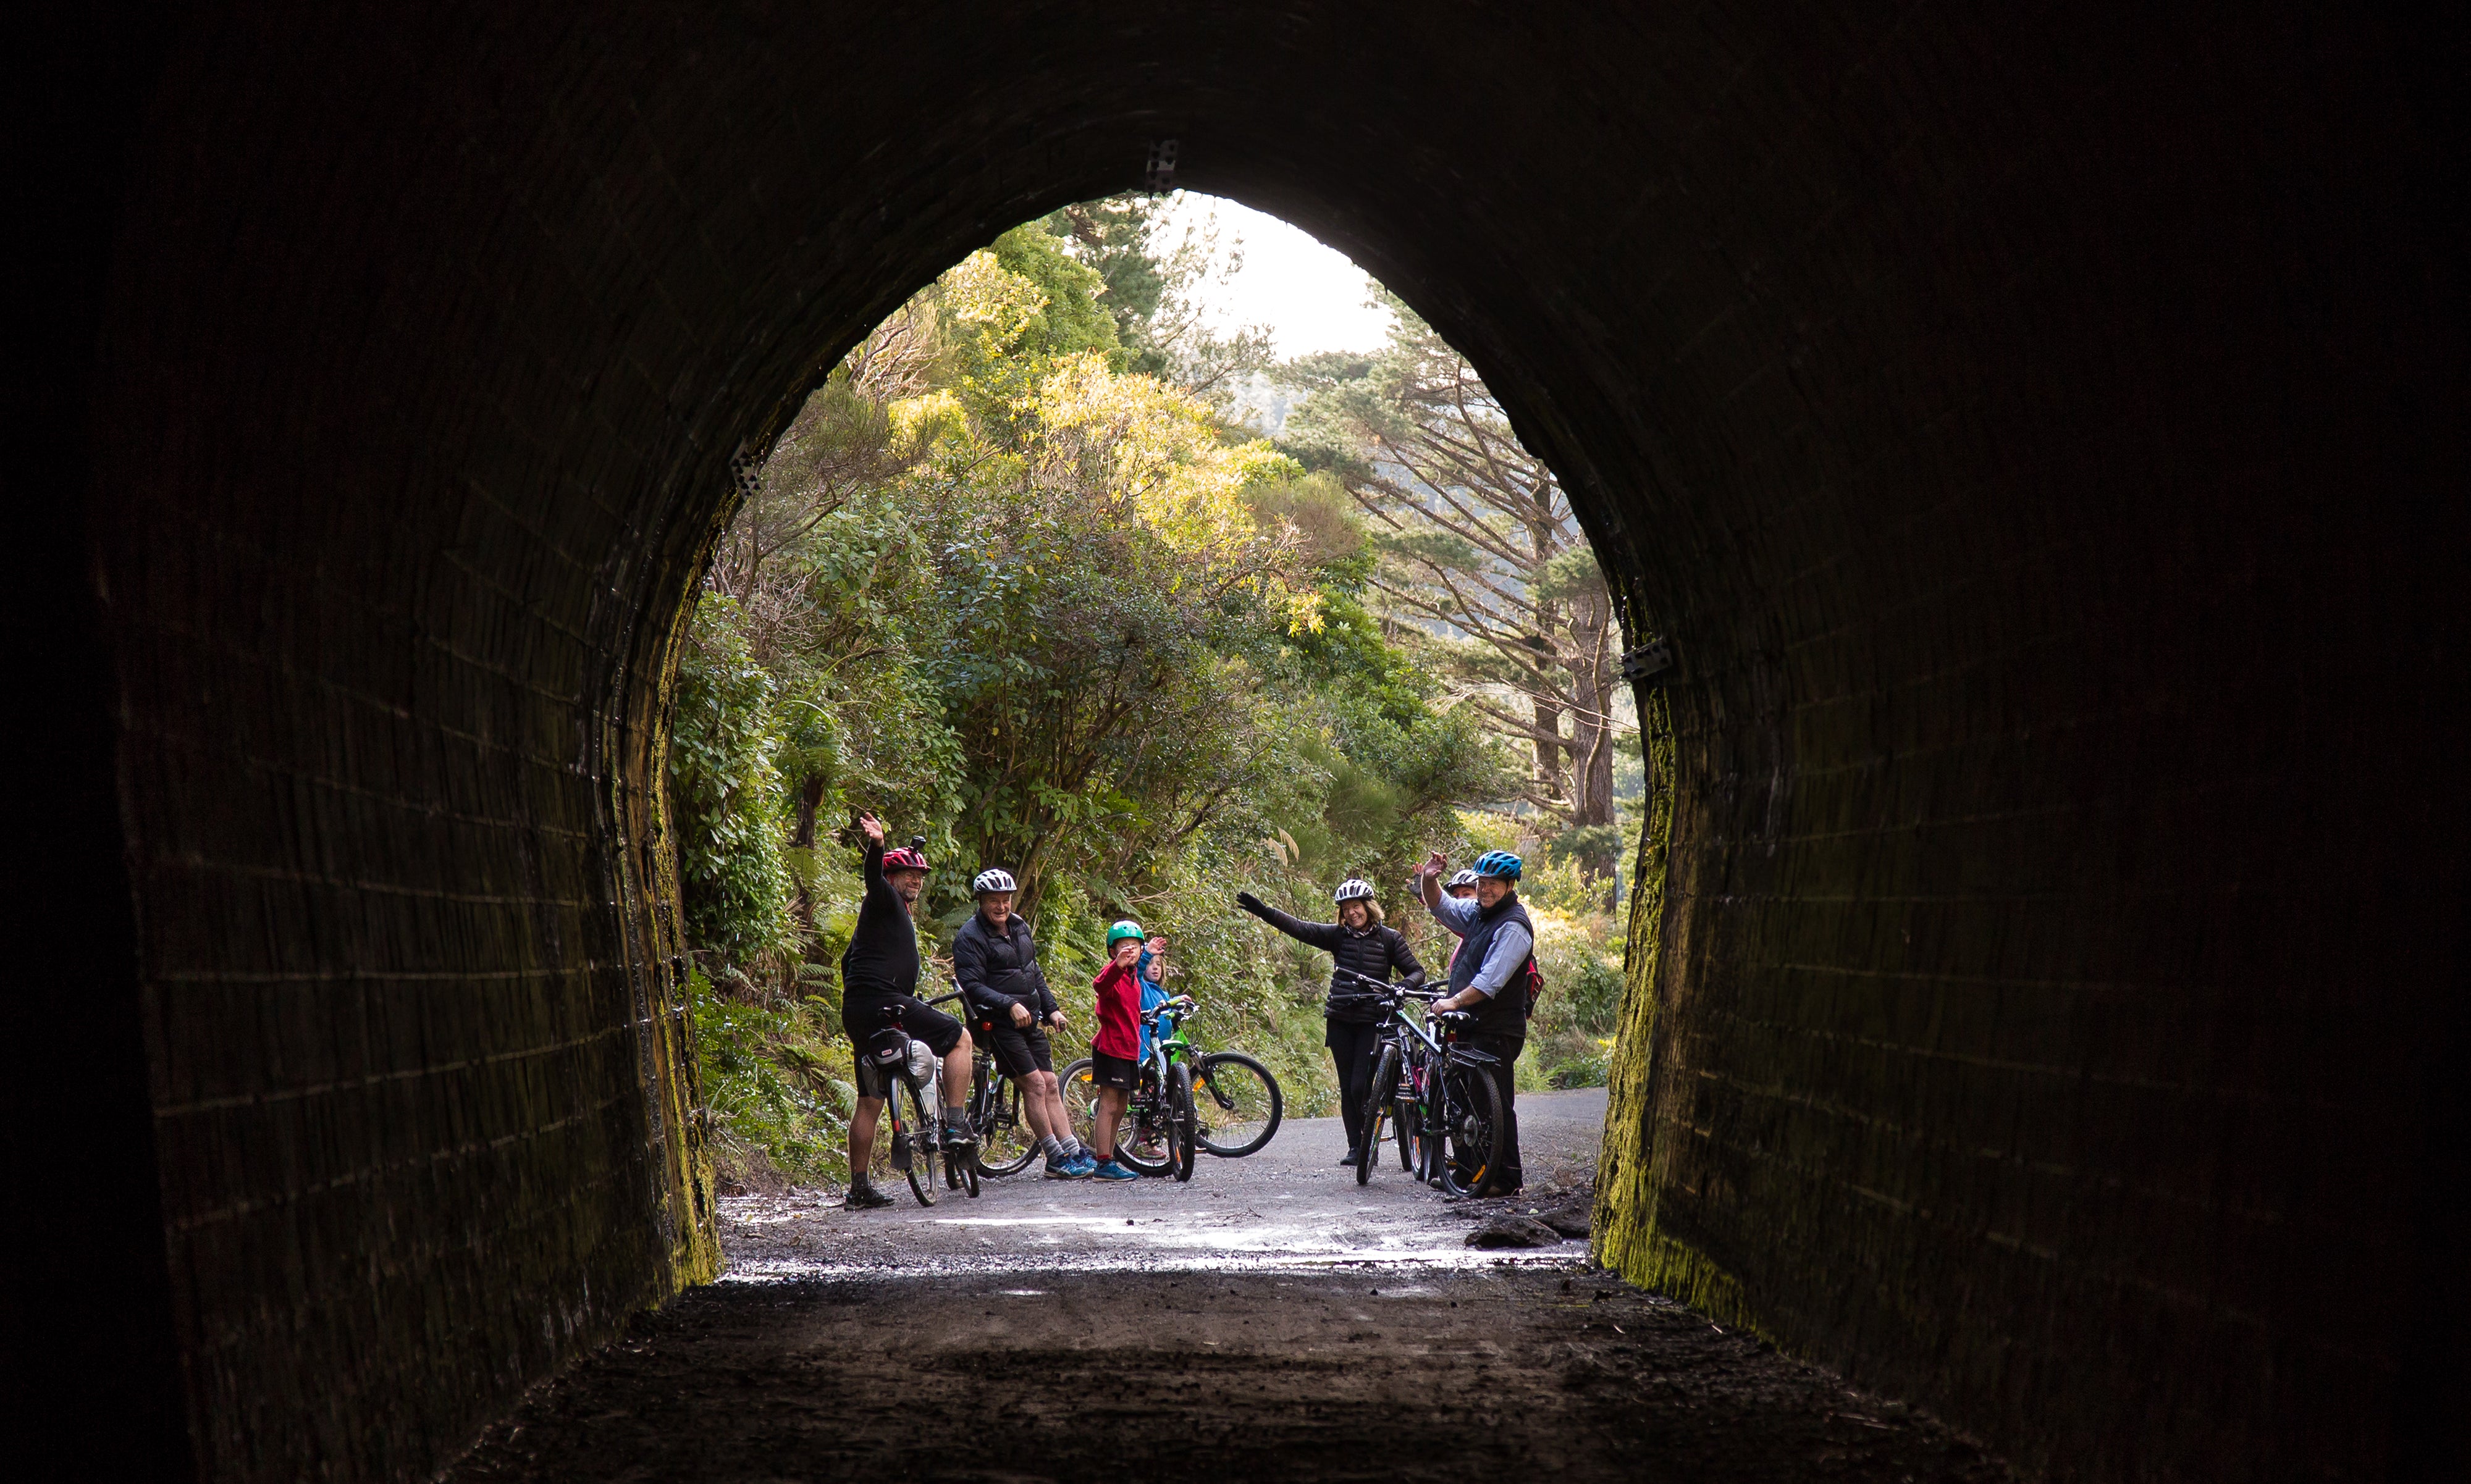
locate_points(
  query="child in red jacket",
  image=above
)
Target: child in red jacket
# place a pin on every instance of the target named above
(1114, 1057)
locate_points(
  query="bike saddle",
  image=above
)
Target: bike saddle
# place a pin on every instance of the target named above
(888, 1047)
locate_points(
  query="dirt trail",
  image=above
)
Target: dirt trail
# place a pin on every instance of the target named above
(1271, 1318)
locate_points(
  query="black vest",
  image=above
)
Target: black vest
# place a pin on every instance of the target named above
(1505, 1015)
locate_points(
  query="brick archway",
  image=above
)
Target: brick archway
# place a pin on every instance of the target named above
(2027, 439)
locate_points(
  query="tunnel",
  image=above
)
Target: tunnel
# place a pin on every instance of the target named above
(2027, 444)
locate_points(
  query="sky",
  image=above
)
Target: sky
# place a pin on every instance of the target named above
(1310, 296)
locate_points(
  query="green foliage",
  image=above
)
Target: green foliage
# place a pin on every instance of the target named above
(1069, 320)
(1570, 1037)
(778, 1081)
(1054, 615)
(725, 791)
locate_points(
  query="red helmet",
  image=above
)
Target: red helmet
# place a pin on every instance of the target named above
(903, 859)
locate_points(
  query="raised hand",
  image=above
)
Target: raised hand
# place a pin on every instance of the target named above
(1436, 862)
(1250, 903)
(871, 828)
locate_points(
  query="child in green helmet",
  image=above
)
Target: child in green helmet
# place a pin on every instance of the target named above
(1114, 1055)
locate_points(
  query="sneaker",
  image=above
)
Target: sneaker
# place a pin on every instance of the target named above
(865, 1198)
(1068, 1168)
(1347, 1158)
(959, 1140)
(1083, 1165)
(1111, 1171)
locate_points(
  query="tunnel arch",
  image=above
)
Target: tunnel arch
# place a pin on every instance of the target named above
(1976, 406)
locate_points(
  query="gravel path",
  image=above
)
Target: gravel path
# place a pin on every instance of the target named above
(1271, 1319)
(1289, 1207)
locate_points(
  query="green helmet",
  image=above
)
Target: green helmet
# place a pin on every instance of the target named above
(1127, 928)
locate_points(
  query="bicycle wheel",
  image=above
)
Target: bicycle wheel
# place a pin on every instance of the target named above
(1183, 1124)
(1080, 1102)
(1006, 1146)
(1385, 1083)
(923, 1150)
(1471, 1130)
(1238, 1103)
(1146, 1140)
(1081, 1106)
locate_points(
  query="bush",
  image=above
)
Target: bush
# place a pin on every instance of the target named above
(778, 1081)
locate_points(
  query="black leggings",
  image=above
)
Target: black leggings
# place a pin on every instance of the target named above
(1352, 1048)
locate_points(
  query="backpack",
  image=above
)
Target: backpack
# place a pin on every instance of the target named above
(1534, 978)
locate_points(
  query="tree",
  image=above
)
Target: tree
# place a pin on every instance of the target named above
(1158, 294)
(1482, 568)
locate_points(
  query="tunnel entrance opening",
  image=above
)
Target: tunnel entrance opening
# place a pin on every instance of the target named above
(2039, 435)
(1048, 515)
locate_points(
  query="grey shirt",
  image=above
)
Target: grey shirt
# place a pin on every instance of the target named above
(1509, 950)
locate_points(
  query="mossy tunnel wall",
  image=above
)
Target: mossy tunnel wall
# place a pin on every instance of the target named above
(2027, 428)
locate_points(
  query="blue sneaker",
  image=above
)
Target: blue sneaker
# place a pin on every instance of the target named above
(1084, 1165)
(1111, 1171)
(1069, 1168)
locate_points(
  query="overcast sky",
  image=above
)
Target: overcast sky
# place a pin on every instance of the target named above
(1311, 297)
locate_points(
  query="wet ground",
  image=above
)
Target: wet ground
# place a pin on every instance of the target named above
(1271, 1318)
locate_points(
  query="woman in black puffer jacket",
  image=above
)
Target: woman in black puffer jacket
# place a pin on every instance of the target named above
(1360, 945)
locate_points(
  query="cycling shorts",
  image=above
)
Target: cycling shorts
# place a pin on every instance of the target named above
(864, 1014)
(1019, 1050)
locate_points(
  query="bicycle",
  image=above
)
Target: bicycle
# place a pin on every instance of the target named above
(1005, 1144)
(1384, 1102)
(1160, 1107)
(1423, 1077)
(898, 1064)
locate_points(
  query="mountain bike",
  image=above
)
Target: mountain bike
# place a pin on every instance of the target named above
(1397, 1068)
(1160, 1113)
(1437, 1094)
(1005, 1144)
(903, 1071)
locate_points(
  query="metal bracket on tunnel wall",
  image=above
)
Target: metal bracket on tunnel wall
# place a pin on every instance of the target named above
(1641, 667)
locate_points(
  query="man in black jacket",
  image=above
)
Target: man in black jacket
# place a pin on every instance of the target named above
(879, 981)
(1361, 948)
(996, 965)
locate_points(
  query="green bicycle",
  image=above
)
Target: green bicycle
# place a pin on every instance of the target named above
(1188, 1100)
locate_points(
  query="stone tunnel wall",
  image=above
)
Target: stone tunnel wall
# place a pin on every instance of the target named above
(2025, 427)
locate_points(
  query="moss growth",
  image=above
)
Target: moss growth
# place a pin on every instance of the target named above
(1625, 1217)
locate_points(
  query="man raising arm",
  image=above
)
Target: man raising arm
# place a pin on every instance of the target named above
(880, 983)
(1489, 979)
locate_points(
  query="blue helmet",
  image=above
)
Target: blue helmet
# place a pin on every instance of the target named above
(1498, 863)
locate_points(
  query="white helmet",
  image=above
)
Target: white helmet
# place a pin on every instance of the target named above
(1465, 878)
(995, 878)
(1354, 889)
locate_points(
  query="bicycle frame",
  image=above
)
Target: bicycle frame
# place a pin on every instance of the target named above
(1166, 1045)
(1425, 1047)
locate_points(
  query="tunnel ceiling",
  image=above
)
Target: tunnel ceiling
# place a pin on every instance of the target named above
(2025, 428)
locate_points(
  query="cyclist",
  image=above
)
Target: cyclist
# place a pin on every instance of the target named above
(1489, 976)
(1112, 1067)
(879, 977)
(1359, 943)
(997, 964)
